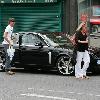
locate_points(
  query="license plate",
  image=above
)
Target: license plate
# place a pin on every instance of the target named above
(98, 62)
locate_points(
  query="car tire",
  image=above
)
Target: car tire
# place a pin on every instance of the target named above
(2, 61)
(2, 67)
(64, 65)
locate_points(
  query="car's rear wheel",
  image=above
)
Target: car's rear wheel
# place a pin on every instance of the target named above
(64, 65)
(2, 67)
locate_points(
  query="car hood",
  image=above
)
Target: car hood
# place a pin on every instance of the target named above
(63, 50)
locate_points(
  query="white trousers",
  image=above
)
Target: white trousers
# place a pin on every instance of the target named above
(82, 56)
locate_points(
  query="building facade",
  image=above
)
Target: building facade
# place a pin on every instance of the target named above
(39, 15)
(92, 9)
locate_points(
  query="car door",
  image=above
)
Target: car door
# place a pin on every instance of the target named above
(32, 52)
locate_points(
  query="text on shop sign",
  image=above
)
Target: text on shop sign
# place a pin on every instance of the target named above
(27, 1)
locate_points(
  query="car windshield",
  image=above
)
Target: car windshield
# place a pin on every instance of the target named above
(57, 39)
(49, 41)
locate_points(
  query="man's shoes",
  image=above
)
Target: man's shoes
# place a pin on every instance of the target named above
(10, 72)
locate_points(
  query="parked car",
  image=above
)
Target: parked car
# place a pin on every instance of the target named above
(34, 50)
(49, 51)
(94, 53)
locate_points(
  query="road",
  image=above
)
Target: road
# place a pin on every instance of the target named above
(31, 85)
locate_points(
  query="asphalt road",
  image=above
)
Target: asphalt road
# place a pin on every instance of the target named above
(38, 85)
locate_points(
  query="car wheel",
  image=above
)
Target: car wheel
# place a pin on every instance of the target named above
(2, 61)
(2, 67)
(64, 65)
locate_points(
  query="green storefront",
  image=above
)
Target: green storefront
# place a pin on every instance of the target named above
(32, 15)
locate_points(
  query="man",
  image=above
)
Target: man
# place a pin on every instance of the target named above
(82, 53)
(8, 42)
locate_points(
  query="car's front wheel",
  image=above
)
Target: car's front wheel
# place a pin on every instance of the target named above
(64, 65)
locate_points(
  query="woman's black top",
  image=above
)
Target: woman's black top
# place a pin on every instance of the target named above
(81, 47)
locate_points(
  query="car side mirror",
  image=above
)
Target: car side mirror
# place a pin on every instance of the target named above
(40, 45)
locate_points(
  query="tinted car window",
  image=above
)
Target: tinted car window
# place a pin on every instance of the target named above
(60, 39)
(32, 39)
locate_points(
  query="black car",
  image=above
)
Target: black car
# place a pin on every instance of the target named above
(50, 51)
(35, 50)
(94, 53)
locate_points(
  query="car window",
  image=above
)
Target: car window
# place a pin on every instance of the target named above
(32, 39)
(40, 39)
(26, 39)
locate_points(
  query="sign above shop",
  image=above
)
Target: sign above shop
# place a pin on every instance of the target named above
(95, 21)
(28, 1)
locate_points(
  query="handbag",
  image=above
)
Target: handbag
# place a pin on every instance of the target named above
(10, 52)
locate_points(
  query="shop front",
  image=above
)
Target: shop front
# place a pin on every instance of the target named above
(39, 15)
(92, 9)
(32, 15)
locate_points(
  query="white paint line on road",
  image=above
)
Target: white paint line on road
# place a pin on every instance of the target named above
(47, 90)
(98, 95)
(88, 94)
(44, 96)
(80, 93)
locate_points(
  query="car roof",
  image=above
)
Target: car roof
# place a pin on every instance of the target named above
(28, 33)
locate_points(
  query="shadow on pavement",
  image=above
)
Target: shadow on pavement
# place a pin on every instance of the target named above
(36, 71)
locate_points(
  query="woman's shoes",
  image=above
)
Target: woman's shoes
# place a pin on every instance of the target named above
(82, 77)
(85, 77)
(79, 78)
